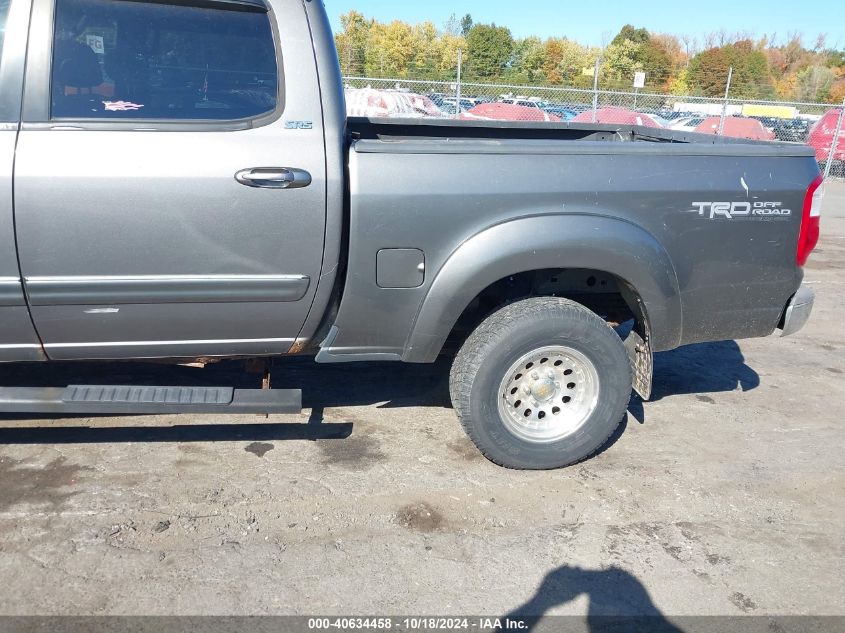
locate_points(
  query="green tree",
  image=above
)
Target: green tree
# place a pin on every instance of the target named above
(621, 61)
(628, 32)
(490, 49)
(634, 50)
(466, 24)
(656, 63)
(574, 59)
(527, 61)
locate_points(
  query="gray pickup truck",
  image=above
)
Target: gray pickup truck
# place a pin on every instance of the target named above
(179, 180)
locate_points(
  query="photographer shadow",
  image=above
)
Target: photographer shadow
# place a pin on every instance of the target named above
(617, 601)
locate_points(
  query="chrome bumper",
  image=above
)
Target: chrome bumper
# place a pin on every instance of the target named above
(798, 311)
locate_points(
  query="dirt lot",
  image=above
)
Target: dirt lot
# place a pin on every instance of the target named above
(722, 496)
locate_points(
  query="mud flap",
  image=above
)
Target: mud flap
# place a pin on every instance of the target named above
(642, 363)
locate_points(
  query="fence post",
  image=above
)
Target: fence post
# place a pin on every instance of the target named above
(725, 104)
(458, 84)
(596, 88)
(835, 144)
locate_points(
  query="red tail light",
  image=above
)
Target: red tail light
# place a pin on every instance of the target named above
(809, 235)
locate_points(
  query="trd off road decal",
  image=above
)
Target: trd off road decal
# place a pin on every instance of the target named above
(740, 210)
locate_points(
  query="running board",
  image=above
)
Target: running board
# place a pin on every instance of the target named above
(120, 400)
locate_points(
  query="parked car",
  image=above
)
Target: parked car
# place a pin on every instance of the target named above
(821, 138)
(790, 130)
(565, 113)
(615, 115)
(737, 127)
(525, 103)
(793, 130)
(687, 123)
(452, 104)
(231, 209)
(660, 120)
(446, 104)
(389, 103)
(508, 112)
(671, 115)
(769, 122)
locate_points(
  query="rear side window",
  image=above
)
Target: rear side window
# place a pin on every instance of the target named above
(120, 59)
(4, 11)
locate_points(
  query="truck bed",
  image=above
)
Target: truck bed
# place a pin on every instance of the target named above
(411, 135)
(436, 185)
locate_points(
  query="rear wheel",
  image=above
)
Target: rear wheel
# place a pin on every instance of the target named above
(540, 384)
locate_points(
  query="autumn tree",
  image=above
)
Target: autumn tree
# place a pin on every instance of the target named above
(390, 50)
(766, 67)
(351, 42)
(814, 83)
(449, 47)
(708, 71)
(427, 50)
(552, 58)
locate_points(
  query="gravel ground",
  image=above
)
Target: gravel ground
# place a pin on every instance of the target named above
(721, 496)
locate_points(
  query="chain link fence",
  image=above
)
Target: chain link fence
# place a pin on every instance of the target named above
(820, 125)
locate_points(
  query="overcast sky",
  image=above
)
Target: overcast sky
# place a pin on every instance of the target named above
(590, 22)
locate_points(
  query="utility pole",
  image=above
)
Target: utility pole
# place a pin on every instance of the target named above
(596, 88)
(458, 85)
(725, 104)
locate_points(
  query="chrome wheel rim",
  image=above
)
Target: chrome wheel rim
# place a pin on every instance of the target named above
(548, 394)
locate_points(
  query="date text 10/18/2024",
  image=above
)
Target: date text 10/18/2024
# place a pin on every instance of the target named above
(417, 624)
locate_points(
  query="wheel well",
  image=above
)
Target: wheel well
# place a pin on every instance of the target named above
(609, 296)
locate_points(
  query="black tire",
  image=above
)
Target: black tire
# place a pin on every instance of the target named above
(507, 336)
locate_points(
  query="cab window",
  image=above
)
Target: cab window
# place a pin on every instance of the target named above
(4, 11)
(119, 59)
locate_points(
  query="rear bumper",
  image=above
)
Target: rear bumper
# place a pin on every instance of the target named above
(798, 311)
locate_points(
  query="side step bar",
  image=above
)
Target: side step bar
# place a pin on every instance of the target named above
(119, 400)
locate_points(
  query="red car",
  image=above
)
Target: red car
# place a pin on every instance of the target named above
(618, 116)
(821, 137)
(507, 112)
(738, 127)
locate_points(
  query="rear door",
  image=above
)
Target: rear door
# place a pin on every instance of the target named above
(170, 177)
(17, 337)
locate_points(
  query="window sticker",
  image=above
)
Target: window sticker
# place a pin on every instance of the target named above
(95, 43)
(121, 106)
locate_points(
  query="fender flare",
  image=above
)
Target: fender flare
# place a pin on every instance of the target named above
(595, 242)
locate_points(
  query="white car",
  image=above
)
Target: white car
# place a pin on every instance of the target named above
(367, 102)
(687, 123)
(525, 103)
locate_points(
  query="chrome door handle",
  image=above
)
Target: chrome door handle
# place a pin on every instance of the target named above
(274, 177)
